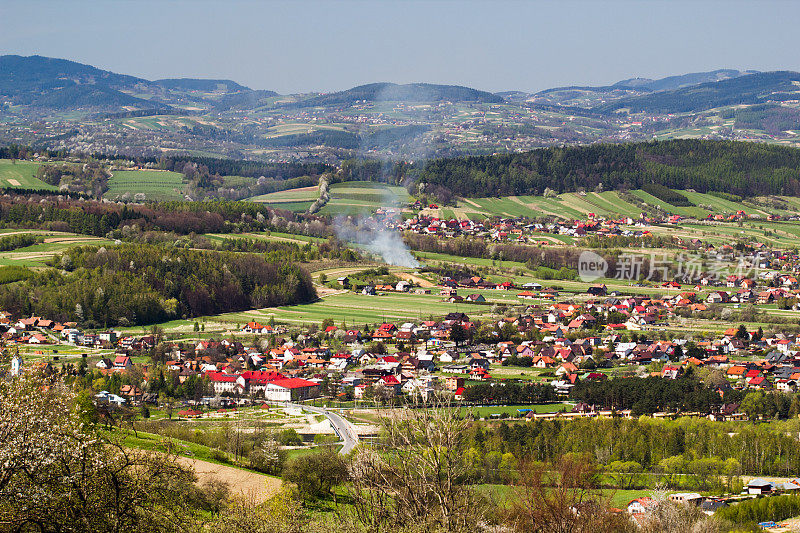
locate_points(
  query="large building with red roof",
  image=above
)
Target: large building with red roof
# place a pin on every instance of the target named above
(291, 390)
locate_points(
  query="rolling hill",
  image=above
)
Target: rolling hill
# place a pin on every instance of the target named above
(391, 92)
(682, 80)
(756, 88)
(49, 84)
(60, 84)
(203, 85)
(742, 168)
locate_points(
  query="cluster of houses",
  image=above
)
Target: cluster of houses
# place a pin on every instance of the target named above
(37, 330)
(568, 346)
(525, 230)
(639, 508)
(573, 337)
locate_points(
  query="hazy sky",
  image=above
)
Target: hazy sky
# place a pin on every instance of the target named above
(331, 45)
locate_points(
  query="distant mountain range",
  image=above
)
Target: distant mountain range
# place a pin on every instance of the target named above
(59, 85)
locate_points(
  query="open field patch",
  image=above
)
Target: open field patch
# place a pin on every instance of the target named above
(153, 184)
(21, 174)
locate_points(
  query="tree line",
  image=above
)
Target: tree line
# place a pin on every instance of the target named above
(141, 284)
(742, 168)
(662, 446)
(650, 395)
(89, 217)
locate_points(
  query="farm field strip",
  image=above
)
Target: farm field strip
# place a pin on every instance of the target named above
(289, 195)
(154, 184)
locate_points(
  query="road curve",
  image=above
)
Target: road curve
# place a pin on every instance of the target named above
(342, 427)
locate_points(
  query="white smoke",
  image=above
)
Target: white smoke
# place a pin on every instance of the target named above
(376, 238)
(378, 234)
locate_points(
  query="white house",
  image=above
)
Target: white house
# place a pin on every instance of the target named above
(291, 389)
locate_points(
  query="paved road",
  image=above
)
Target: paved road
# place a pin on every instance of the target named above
(342, 427)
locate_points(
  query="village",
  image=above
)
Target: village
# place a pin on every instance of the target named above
(592, 337)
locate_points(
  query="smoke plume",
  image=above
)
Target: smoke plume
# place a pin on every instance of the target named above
(376, 238)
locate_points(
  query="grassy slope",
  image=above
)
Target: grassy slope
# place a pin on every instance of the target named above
(155, 184)
(21, 174)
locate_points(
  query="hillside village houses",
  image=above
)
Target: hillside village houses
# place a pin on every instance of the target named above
(564, 339)
(570, 338)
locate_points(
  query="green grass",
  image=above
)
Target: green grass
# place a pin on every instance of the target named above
(153, 442)
(37, 255)
(512, 410)
(356, 197)
(349, 308)
(502, 494)
(154, 184)
(353, 197)
(304, 194)
(21, 174)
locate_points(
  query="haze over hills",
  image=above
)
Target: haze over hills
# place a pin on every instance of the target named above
(682, 80)
(749, 89)
(59, 84)
(195, 84)
(412, 92)
(64, 105)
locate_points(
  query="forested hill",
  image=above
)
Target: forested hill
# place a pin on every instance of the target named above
(682, 80)
(135, 284)
(196, 84)
(391, 92)
(45, 83)
(742, 168)
(751, 89)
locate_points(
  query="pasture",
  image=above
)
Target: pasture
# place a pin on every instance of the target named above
(363, 197)
(292, 199)
(156, 185)
(21, 175)
(37, 255)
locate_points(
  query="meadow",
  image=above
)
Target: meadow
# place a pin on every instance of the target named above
(22, 175)
(154, 184)
(290, 196)
(359, 197)
(349, 198)
(37, 255)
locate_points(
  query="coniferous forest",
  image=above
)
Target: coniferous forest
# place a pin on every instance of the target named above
(745, 169)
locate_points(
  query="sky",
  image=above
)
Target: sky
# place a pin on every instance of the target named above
(497, 45)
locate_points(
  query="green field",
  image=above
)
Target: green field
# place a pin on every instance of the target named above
(346, 308)
(21, 174)
(608, 203)
(357, 197)
(513, 410)
(349, 198)
(154, 184)
(619, 498)
(55, 243)
(279, 198)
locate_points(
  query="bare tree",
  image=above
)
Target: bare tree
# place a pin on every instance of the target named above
(416, 478)
(562, 498)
